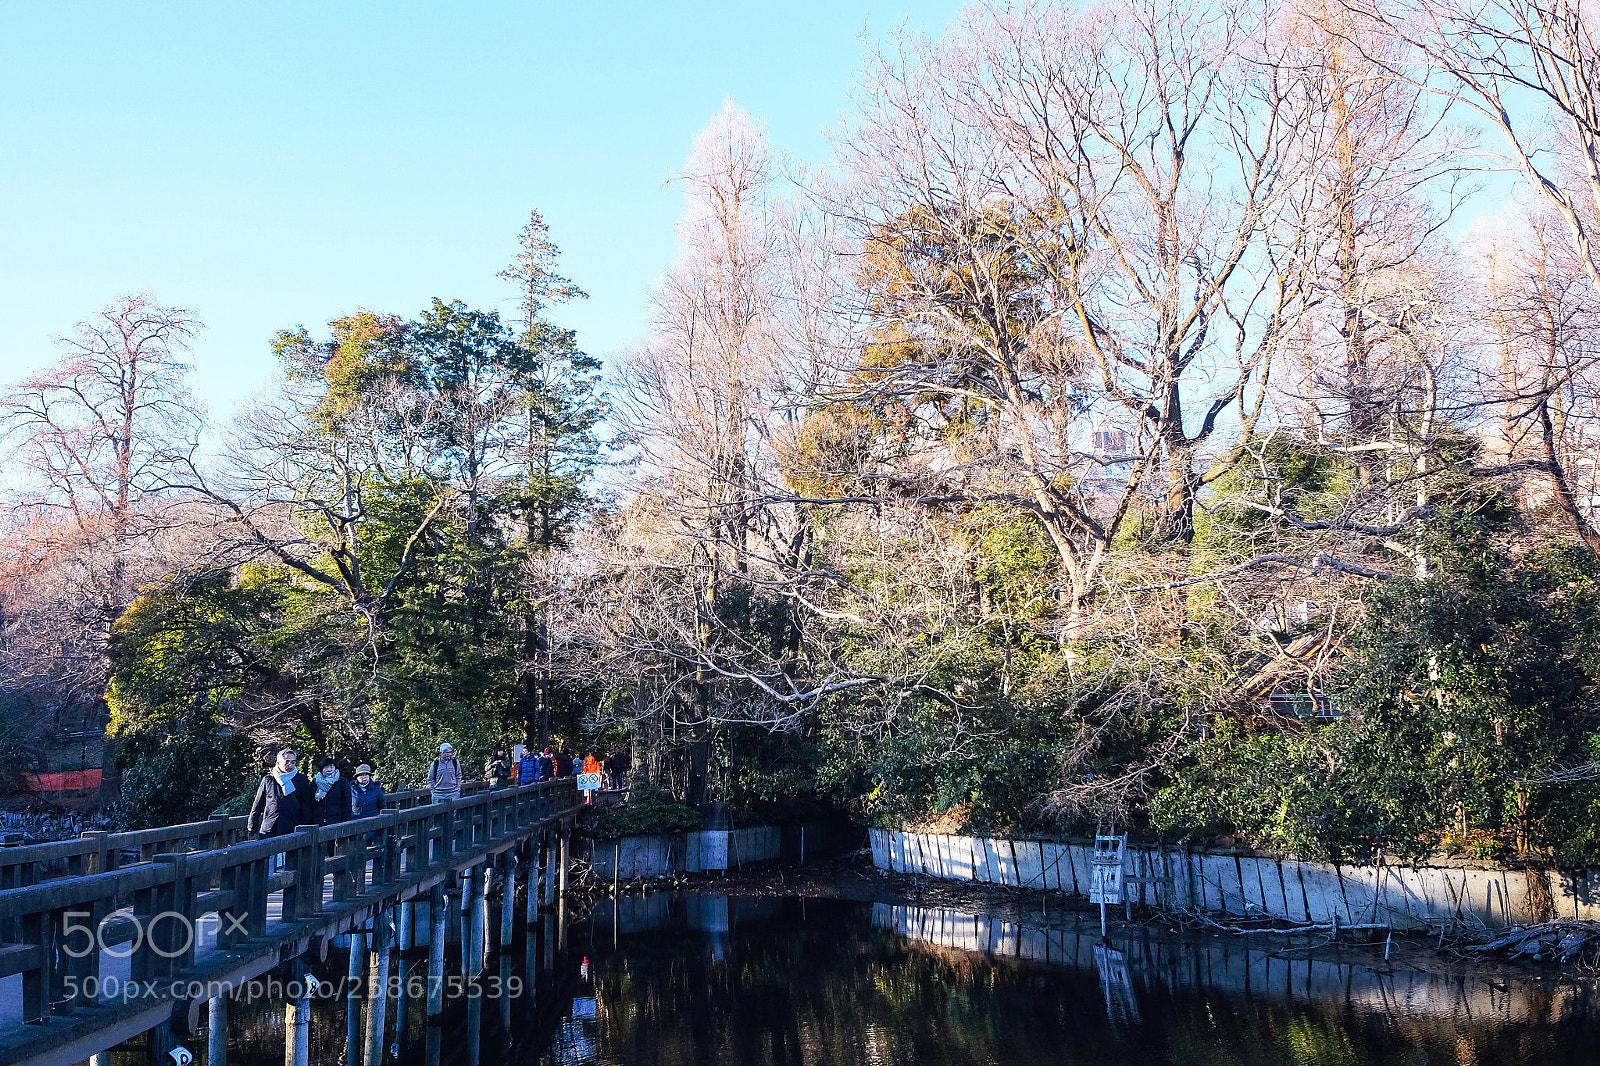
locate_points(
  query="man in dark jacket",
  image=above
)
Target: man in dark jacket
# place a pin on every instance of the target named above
(619, 764)
(366, 794)
(284, 800)
(333, 794)
(547, 766)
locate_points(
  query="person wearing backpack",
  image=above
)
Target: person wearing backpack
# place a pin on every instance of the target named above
(444, 776)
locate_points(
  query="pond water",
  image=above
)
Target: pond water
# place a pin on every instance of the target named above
(688, 979)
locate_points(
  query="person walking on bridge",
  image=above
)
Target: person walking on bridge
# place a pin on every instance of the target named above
(529, 768)
(284, 800)
(366, 794)
(333, 794)
(444, 776)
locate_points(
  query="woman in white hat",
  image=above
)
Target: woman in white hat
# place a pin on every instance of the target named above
(366, 794)
(444, 776)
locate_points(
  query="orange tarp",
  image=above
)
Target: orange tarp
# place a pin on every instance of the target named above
(68, 781)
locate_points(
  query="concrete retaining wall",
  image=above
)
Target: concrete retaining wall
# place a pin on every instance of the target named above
(661, 856)
(1399, 896)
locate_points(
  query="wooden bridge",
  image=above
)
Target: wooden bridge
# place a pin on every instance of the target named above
(116, 934)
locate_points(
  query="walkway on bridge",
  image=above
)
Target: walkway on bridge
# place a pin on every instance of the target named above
(171, 919)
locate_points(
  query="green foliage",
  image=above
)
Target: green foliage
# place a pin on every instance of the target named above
(170, 778)
(648, 811)
(1458, 686)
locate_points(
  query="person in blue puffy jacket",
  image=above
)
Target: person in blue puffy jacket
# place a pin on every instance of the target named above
(528, 768)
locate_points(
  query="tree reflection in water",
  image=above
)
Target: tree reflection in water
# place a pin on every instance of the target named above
(688, 979)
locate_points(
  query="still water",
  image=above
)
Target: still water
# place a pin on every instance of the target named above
(679, 980)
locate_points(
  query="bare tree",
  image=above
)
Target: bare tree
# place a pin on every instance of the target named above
(1082, 257)
(1528, 70)
(95, 434)
(1544, 324)
(98, 428)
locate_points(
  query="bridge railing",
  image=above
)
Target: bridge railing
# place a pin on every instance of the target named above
(98, 851)
(57, 929)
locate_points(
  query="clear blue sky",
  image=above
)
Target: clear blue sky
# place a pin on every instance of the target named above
(275, 164)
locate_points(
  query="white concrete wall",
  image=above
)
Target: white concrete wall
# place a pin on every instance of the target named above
(660, 856)
(1399, 896)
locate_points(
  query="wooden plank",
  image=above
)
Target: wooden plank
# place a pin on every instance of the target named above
(17, 958)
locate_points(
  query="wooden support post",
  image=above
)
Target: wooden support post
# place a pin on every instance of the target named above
(508, 900)
(397, 1024)
(478, 930)
(505, 1000)
(474, 1029)
(159, 1044)
(378, 987)
(422, 923)
(38, 986)
(297, 1017)
(217, 1031)
(255, 909)
(562, 890)
(441, 921)
(531, 907)
(352, 997)
(550, 865)
(404, 940)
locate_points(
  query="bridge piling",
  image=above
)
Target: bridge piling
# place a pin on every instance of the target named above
(378, 987)
(531, 883)
(473, 963)
(549, 872)
(352, 997)
(508, 900)
(217, 1031)
(297, 1017)
(441, 920)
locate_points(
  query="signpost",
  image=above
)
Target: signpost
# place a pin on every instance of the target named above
(1106, 864)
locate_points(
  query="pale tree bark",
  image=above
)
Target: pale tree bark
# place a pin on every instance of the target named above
(1528, 70)
(1543, 323)
(1082, 252)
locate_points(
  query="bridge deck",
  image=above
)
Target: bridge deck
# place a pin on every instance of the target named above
(167, 934)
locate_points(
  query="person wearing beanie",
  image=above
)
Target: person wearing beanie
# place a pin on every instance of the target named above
(444, 776)
(333, 794)
(366, 794)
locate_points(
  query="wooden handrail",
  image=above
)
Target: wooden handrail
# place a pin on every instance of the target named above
(54, 929)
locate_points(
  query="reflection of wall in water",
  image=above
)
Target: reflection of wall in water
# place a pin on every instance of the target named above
(700, 911)
(1231, 968)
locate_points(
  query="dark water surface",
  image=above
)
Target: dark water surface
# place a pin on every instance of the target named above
(677, 980)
